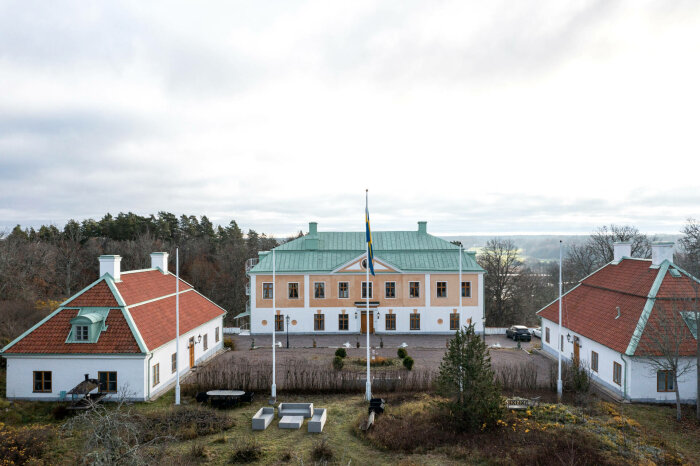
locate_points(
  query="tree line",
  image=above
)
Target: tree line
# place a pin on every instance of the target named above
(40, 268)
(516, 289)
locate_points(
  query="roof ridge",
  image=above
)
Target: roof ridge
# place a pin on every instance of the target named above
(627, 293)
(160, 297)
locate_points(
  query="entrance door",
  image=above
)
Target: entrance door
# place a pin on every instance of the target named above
(191, 352)
(576, 353)
(364, 322)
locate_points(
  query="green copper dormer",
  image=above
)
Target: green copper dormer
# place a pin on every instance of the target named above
(87, 326)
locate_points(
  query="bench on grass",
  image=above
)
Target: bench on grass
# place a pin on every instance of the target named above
(317, 421)
(263, 418)
(295, 409)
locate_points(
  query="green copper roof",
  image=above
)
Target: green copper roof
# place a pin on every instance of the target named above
(410, 251)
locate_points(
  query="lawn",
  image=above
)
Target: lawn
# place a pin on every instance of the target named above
(609, 427)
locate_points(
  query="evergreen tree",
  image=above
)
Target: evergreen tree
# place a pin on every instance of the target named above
(467, 380)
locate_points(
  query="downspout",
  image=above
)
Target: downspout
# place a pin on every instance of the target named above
(624, 385)
(148, 371)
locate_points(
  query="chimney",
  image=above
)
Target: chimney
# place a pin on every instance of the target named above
(423, 227)
(112, 266)
(313, 228)
(159, 260)
(621, 249)
(661, 251)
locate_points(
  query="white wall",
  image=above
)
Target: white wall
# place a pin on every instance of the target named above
(68, 371)
(163, 355)
(643, 387)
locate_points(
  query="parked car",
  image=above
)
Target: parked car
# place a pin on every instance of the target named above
(519, 333)
(536, 332)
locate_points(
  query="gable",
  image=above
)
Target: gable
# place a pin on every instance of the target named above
(99, 295)
(356, 266)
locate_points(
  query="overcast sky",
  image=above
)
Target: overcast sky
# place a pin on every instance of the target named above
(479, 117)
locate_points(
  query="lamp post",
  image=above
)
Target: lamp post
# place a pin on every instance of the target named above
(287, 319)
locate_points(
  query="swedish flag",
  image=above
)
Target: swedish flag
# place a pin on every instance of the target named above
(370, 253)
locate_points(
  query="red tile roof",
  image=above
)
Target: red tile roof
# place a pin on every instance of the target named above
(666, 329)
(137, 287)
(50, 337)
(98, 296)
(156, 320)
(590, 309)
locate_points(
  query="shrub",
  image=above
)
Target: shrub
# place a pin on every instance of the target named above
(408, 362)
(338, 363)
(467, 380)
(378, 361)
(228, 343)
(401, 353)
(60, 412)
(20, 445)
(340, 352)
(184, 423)
(322, 451)
(249, 452)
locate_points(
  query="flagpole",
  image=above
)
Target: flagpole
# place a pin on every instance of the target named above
(559, 343)
(274, 324)
(368, 385)
(177, 325)
(459, 287)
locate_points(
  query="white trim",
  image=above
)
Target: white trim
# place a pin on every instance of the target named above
(288, 290)
(159, 298)
(436, 290)
(324, 290)
(409, 289)
(387, 297)
(347, 290)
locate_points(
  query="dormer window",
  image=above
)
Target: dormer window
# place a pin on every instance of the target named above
(81, 333)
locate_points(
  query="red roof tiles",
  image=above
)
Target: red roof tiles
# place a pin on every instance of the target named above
(50, 337)
(137, 287)
(98, 296)
(156, 320)
(591, 308)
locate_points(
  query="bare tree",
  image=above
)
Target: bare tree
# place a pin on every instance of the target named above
(500, 260)
(690, 247)
(665, 336)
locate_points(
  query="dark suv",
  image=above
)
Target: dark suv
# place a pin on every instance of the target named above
(519, 333)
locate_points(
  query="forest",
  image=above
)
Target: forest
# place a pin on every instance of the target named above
(40, 268)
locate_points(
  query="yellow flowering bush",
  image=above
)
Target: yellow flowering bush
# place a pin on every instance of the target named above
(20, 445)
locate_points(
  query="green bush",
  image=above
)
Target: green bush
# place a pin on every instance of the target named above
(340, 352)
(408, 362)
(401, 353)
(228, 343)
(338, 363)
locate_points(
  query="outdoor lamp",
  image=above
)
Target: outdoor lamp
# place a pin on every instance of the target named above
(199, 339)
(568, 337)
(355, 315)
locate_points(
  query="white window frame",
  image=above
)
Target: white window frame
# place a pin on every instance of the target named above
(79, 333)
(263, 290)
(347, 291)
(289, 289)
(436, 289)
(470, 288)
(410, 289)
(370, 286)
(323, 287)
(387, 297)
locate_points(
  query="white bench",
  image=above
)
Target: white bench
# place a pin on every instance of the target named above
(317, 421)
(263, 418)
(295, 409)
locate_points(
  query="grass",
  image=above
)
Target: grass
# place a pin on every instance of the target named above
(344, 443)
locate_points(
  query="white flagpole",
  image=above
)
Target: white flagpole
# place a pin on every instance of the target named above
(459, 287)
(559, 384)
(274, 323)
(368, 385)
(177, 325)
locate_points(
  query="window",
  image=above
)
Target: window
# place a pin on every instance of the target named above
(414, 289)
(664, 381)
(156, 374)
(343, 290)
(364, 290)
(279, 323)
(617, 373)
(390, 290)
(415, 321)
(108, 381)
(319, 290)
(546, 334)
(441, 290)
(173, 362)
(267, 290)
(216, 335)
(293, 291)
(594, 361)
(81, 333)
(454, 321)
(319, 323)
(466, 289)
(391, 321)
(561, 343)
(42, 381)
(205, 342)
(343, 322)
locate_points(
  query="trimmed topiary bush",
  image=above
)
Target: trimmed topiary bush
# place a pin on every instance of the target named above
(408, 362)
(401, 353)
(338, 363)
(341, 353)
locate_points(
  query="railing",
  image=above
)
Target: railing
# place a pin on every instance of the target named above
(250, 263)
(247, 289)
